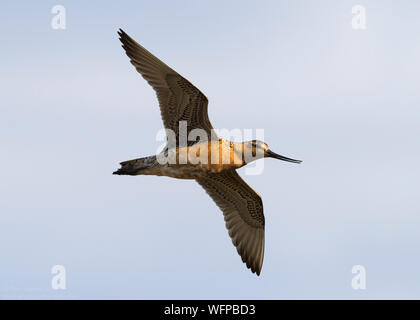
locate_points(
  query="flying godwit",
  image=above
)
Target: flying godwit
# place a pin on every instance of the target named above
(181, 102)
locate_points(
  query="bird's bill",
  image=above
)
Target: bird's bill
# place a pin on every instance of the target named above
(271, 154)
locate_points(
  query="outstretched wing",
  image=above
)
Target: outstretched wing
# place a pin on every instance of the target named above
(179, 100)
(243, 211)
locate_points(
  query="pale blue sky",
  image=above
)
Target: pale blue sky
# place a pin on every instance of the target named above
(344, 101)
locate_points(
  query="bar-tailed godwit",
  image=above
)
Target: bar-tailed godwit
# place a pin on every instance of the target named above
(211, 161)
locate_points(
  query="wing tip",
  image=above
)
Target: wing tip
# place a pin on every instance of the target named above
(252, 254)
(122, 35)
(256, 269)
(252, 260)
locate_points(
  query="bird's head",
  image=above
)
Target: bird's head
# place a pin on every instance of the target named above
(256, 149)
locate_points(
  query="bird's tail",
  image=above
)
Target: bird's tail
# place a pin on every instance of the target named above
(134, 167)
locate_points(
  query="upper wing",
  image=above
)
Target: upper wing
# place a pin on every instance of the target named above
(179, 100)
(243, 211)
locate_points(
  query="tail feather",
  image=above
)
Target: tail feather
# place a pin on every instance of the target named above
(133, 167)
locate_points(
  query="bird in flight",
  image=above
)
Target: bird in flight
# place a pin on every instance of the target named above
(210, 160)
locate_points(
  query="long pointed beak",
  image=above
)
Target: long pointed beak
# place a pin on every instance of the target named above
(271, 154)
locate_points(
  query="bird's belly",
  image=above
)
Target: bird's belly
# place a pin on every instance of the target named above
(188, 171)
